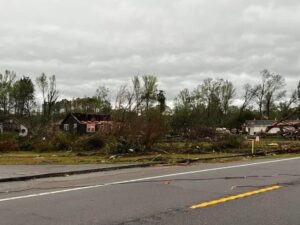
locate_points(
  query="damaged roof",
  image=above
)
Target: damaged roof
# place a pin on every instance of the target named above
(84, 118)
(259, 122)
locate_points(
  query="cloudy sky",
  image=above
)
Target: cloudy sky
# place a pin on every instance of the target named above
(88, 43)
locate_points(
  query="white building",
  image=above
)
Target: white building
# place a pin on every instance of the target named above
(253, 127)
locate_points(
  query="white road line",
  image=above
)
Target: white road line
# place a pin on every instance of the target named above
(145, 178)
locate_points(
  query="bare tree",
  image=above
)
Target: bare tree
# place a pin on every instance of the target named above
(286, 107)
(227, 92)
(43, 85)
(210, 91)
(137, 93)
(6, 85)
(149, 91)
(269, 91)
(123, 99)
(249, 94)
(184, 98)
(102, 101)
(52, 96)
(298, 93)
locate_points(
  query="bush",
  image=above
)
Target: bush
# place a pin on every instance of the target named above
(95, 142)
(8, 136)
(90, 143)
(201, 147)
(199, 132)
(9, 145)
(25, 145)
(227, 141)
(62, 141)
(43, 146)
(128, 144)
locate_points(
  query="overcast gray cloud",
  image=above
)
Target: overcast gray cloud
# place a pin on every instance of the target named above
(104, 42)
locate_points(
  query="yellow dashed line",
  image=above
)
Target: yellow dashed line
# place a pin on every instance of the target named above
(234, 197)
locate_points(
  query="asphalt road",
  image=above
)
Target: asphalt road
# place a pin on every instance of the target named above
(161, 195)
(12, 171)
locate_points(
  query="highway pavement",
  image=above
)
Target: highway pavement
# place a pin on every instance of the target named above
(250, 192)
(21, 171)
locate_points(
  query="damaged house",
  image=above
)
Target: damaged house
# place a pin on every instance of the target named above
(253, 127)
(83, 123)
(13, 126)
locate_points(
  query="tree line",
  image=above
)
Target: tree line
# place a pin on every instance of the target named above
(213, 103)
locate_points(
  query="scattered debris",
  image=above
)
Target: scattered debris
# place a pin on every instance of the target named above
(273, 144)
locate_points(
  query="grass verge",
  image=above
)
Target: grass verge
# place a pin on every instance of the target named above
(33, 158)
(69, 158)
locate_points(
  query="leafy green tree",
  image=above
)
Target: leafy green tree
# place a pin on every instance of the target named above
(161, 98)
(181, 118)
(23, 95)
(207, 105)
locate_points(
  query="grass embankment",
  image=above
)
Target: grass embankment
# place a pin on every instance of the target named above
(30, 158)
(170, 153)
(265, 144)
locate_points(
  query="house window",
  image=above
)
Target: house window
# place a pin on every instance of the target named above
(90, 128)
(75, 125)
(66, 127)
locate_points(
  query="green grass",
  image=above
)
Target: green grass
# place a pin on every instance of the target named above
(165, 152)
(32, 158)
(279, 156)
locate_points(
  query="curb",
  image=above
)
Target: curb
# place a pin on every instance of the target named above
(75, 172)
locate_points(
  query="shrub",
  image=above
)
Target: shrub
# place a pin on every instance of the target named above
(62, 141)
(90, 143)
(9, 145)
(43, 146)
(25, 146)
(201, 147)
(199, 132)
(125, 144)
(8, 136)
(95, 142)
(227, 141)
